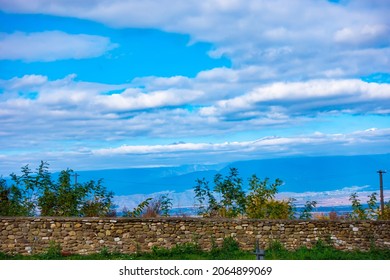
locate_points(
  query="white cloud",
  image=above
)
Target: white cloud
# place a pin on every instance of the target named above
(130, 100)
(296, 144)
(51, 46)
(25, 82)
(309, 96)
(211, 104)
(293, 38)
(82, 155)
(367, 34)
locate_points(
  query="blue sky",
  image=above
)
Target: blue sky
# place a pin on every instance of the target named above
(111, 84)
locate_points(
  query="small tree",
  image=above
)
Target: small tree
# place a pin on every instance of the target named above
(137, 211)
(24, 192)
(373, 208)
(229, 189)
(13, 201)
(207, 204)
(261, 202)
(306, 213)
(232, 201)
(358, 212)
(37, 191)
(166, 205)
(97, 201)
(386, 212)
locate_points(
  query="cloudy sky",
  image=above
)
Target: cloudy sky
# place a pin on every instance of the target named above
(109, 83)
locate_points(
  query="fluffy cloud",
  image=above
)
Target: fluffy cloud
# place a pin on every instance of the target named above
(310, 96)
(51, 46)
(80, 154)
(293, 38)
(27, 82)
(304, 144)
(368, 34)
(211, 104)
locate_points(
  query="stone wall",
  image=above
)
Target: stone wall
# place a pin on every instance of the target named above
(129, 235)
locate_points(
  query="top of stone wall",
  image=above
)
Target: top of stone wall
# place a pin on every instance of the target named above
(185, 219)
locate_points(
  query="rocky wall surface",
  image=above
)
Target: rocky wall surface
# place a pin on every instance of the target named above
(130, 235)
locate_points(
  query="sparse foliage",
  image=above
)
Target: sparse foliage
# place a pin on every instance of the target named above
(137, 211)
(372, 211)
(228, 188)
(232, 201)
(37, 192)
(261, 202)
(306, 213)
(166, 205)
(386, 212)
(373, 208)
(207, 204)
(358, 212)
(13, 201)
(151, 208)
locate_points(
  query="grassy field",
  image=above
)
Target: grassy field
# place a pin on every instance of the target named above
(228, 251)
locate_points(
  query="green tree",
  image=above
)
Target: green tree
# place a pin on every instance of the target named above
(373, 208)
(97, 201)
(13, 201)
(166, 205)
(37, 191)
(231, 201)
(137, 211)
(206, 202)
(386, 212)
(261, 202)
(358, 212)
(62, 198)
(24, 191)
(372, 212)
(307, 209)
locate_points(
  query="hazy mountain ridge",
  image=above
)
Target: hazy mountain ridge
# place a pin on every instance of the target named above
(300, 174)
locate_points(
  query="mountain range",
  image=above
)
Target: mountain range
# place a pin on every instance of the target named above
(299, 174)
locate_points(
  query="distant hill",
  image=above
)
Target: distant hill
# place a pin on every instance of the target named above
(300, 174)
(317, 173)
(150, 180)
